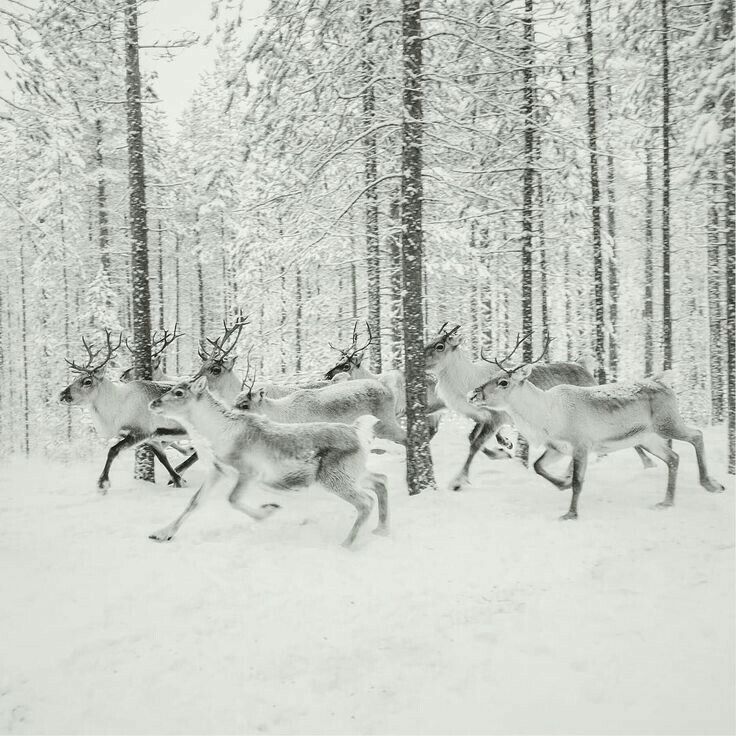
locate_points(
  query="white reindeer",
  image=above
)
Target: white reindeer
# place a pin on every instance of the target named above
(457, 375)
(120, 409)
(344, 401)
(281, 456)
(351, 365)
(576, 420)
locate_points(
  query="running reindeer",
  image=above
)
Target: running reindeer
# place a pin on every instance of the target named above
(120, 409)
(351, 365)
(159, 345)
(283, 457)
(457, 375)
(574, 421)
(344, 401)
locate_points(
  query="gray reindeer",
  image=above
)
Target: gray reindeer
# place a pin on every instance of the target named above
(574, 421)
(120, 409)
(283, 457)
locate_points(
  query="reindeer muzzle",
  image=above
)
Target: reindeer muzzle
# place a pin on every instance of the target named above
(155, 406)
(65, 397)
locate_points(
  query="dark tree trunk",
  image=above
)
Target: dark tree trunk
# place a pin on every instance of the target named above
(298, 321)
(595, 194)
(103, 227)
(25, 355)
(715, 299)
(161, 315)
(65, 285)
(394, 248)
(138, 221)
(527, 211)
(612, 259)
(489, 324)
(200, 294)
(370, 153)
(728, 126)
(666, 287)
(177, 300)
(649, 269)
(419, 471)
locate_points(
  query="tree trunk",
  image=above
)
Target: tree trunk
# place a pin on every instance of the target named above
(666, 288)
(612, 259)
(103, 227)
(138, 221)
(177, 300)
(298, 321)
(161, 322)
(25, 355)
(649, 269)
(65, 284)
(527, 211)
(200, 293)
(394, 248)
(599, 314)
(728, 126)
(370, 153)
(419, 471)
(282, 321)
(715, 300)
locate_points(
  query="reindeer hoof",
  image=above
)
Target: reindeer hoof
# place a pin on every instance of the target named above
(663, 504)
(569, 515)
(381, 531)
(165, 535)
(713, 486)
(103, 486)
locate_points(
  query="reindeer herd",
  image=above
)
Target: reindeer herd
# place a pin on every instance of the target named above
(287, 436)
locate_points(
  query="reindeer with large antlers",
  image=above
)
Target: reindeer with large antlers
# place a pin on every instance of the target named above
(457, 375)
(120, 409)
(573, 421)
(159, 345)
(351, 364)
(218, 361)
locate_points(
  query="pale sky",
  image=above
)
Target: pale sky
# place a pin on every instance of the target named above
(168, 20)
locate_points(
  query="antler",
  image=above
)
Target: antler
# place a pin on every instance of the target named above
(218, 352)
(160, 344)
(519, 341)
(353, 347)
(245, 382)
(89, 367)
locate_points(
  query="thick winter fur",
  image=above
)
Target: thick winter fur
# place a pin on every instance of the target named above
(577, 420)
(344, 401)
(222, 378)
(353, 366)
(121, 410)
(281, 456)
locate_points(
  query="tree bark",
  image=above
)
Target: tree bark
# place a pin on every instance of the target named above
(103, 226)
(370, 153)
(612, 258)
(666, 280)
(599, 313)
(419, 471)
(715, 300)
(298, 321)
(138, 221)
(394, 248)
(649, 268)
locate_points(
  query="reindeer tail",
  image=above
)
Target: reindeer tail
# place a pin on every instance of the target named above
(364, 426)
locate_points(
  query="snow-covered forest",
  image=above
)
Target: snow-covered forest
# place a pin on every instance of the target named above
(392, 169)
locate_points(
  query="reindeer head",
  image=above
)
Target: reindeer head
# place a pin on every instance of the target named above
(91, 374)
(249, 398)
(352, 356)
(176, 402)
(218, 361)
(436, 351)
(503, 381)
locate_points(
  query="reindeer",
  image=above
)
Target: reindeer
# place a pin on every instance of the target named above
(344, 402)
(282, 456)
(120, 409)
(576, 420)
(218, 363)
(457, 375)
(351, 365)
(159, 346)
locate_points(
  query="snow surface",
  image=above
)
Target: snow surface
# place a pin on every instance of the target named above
(481, 613)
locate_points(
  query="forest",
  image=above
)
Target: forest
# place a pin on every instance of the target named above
(574, 163)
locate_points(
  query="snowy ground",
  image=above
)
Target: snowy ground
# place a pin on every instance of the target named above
(481, 613)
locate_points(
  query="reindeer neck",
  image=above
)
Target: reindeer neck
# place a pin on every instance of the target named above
(109, 395)
(210, 418)
(229, 387)
(530, 408)
(362, 372)
(459, 373)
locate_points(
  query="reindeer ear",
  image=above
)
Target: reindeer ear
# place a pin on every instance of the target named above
(523, 373)
(358, 358)
(228, 363)
(261, 393)
(100, 372)
(455, 339)
(198, 385)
